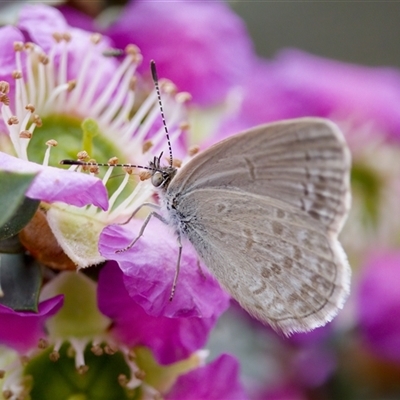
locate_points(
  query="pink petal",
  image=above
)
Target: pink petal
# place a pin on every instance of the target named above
(22, 330)
(170, 339)
(149, 268)
(55, 184)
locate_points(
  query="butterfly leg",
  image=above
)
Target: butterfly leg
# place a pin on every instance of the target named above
(146, 221)
(178, 266)
(152, 205)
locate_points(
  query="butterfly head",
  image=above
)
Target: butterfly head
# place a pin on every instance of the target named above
(161, 176)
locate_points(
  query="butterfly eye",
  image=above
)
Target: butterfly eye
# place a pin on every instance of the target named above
(157, 179)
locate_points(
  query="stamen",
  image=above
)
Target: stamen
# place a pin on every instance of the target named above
(184, 126)
(57, 37)
(50, 143)
(79, 346)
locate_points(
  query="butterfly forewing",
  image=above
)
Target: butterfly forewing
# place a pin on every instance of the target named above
(303, 162)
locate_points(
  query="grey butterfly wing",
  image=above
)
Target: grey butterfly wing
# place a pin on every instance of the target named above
(304, 162)
(275, 260)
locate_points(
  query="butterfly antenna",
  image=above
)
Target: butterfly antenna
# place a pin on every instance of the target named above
(155, 80)
(96, 164)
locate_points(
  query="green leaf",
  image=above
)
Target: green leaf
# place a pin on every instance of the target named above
(20, 279)
(13, 187)
(20, 218)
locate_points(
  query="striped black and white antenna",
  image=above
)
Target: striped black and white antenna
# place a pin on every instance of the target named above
(155, 165)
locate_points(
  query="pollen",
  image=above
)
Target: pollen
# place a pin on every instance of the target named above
(184, 126)
(54, 356)
(4, 87)
(128, 170)
(43, 343)
(37, 120)
(57, 37)
(177, 163)
(71, 85)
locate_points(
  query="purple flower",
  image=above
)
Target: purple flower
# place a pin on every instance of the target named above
(296, 84)
(197, 293)
(170, 339)
(216, 381)
(379, 304)
(203, 47)
(21, 330)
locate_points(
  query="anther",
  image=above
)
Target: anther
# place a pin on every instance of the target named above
(140, 374)
(37, 120)
(123, 380)
(13, 120)
(29, 46)
(67, 36)
(52, 143)
(43, 343)
(94, 169)
(7, 394)
(132, 50)
(25, 134)
(131, 355)
(54, 356)
(167, 86)
(30, 107)
(4, 87)
(71, 85)
(43, 58)
(144, 175)
(82, 369)
(97, 350)
(193, 150)
(4, 99)
(57, 37)
(110, 350)
(82, 155)
(96, 38)
(183, 97)
(24, 360)
(176, 163)
(128, 170)
(147, 145)
(2, 373)
(113, 161)
(16, 74)
(18, 46)
(184, 126)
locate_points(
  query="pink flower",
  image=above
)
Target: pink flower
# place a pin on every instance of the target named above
(203, 47)
(379, 304)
